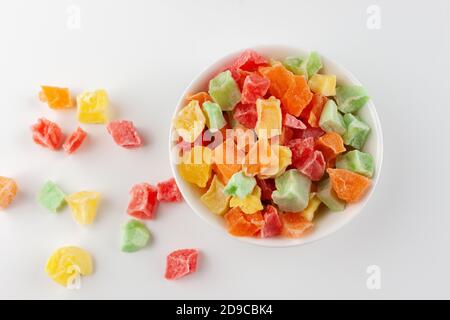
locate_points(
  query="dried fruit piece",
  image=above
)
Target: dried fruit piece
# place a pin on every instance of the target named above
(84, 206)
(323, 84)
(292, 193)
(181, 263)
(66, 263)
(195, 166)
(51, 197)
(8, 191)
(47, 134)
(135, 236)
(349, 186)
(55, 97)
(167, 191)
(351, 98)
(224, 90)
(215, 198)
(294, 224)
(241, 225)
(74, 141)
(357, 131)
(254, 88)
(297, 97)
(124, 134)
(331, 144)
(92, 107)
(357, 161)
(249, 204)
(190, 122)
(327, 195)
(272, 223)
(143, 202)
(331, 120)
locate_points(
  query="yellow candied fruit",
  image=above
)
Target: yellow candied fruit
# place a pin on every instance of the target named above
(84, 206)
(310, 210)
(68, 262)
(93, 107)
(281, 159)
(269, 117)
(190, 121)
(215, 199)
(250, 204)
(195, 166)
(323, 84)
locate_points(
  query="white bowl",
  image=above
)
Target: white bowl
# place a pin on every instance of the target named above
(328, 222)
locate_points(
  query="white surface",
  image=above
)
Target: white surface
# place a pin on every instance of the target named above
(328, 222)
(145, 53)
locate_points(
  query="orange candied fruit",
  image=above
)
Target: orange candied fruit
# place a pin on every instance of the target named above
(297, 97)
(294, 224)
(280, 79)
(200, 97)
(349, 186)
(243, 225)
(55, 97)
(8, 191)
(331, 144)
(313, 111)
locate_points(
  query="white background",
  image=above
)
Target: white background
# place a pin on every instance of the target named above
(144, 53)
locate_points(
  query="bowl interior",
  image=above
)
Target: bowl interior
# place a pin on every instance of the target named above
(326, 221)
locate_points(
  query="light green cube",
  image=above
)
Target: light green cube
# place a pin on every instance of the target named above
(327, 195)
(224, 91)
(356, 161)
(356, 132)
(295, 65)
(313, 64)
(135, 236)
(214, 116)
(350, 98)
(240, 185)
(307, 67)
(330, 119)
(292, 191)
(51, 197)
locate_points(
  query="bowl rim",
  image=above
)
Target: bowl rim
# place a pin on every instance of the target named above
(289, 242)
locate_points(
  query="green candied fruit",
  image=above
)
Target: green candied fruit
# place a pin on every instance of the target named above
(224, 91)
(307, 67)
(295, 65)
(350, 98)
(292, 191)
(240, 185)
(135, 236)
(313, 64)
(51, 197)
(327, 195)
(357, 131)
(214, 116)
(356, 161)
(330, 119)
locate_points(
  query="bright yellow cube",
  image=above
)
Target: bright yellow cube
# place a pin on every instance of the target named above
(310, 210)
(323, 84)
(215, 199)
(66, 263)
(92, 107)
(195, 166)
(190, 121)
(268, 124)
(250, 204)
(84, 206)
